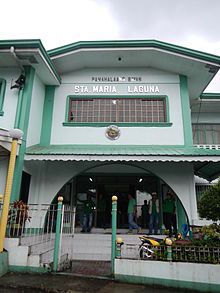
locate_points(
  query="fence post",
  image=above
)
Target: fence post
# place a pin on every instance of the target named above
(114, 228)
(169, 253)
(15, 134)
(119, 243)
(57, 235)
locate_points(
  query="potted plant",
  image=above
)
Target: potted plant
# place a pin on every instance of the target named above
(17, 217)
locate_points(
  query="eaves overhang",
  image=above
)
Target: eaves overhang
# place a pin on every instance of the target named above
(199, 67)
(136, 44)
(29, 53)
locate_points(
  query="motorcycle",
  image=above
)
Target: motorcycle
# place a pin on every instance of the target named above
(149, 246)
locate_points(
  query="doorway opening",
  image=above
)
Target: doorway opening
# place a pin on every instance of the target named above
(102, 188)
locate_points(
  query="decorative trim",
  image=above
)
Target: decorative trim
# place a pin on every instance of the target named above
(22, 124)
(121, 124)
(208, 146)
(2, 95)
(186, 117)
(124, 124)
(112, 132)
(47, 115)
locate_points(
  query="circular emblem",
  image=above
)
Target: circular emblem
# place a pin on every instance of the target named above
(112, 132)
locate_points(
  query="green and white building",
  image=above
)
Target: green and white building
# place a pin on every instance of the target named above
(115, 117)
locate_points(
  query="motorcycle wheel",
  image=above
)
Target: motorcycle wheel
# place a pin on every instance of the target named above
(141, 254)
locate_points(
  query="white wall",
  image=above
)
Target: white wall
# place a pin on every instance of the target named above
(167, 83)
(11, 98)
(49, 177)
(36, 112)
(154, 270)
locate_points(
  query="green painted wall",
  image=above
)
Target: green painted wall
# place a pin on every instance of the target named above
(186, 113)
(22, 122)
(3, 263)
(47, 116)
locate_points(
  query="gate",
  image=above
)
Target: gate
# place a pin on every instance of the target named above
(67, 231)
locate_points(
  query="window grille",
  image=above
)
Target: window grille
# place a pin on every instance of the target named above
(206, 134)
(117, 110)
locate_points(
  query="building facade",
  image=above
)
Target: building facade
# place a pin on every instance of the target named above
(110, 117)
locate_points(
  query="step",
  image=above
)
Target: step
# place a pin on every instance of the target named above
(91, 256)
(41, 247)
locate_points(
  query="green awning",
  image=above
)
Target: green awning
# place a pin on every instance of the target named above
(136, 150)
(206, 161)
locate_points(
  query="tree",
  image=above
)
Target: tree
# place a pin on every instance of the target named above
(209, 204)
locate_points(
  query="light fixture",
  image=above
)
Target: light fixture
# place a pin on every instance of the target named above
(141, 179)
(15, 133)
(90, 179)
(19, 83)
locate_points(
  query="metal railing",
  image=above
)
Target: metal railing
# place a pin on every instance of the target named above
(132, 251)
(195, 254)
(32, 223)
(35, 226)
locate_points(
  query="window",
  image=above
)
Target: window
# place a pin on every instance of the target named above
(117, 110)
(2, 94)
(206, 134)
(200, 189)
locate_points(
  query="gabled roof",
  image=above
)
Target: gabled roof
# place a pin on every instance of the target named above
(29, 52)
(198, 66)
(135, 44)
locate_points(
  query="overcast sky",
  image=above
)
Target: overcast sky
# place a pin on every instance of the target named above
(190, 23)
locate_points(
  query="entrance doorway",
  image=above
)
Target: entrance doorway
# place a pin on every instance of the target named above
(103, 188)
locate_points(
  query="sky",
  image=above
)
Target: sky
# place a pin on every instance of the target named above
(190, 23)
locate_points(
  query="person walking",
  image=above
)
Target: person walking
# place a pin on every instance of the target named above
(88, 207)
(154, 213)
(131, 214)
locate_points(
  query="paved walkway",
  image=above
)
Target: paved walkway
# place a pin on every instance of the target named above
(90, 268)
(51, 283)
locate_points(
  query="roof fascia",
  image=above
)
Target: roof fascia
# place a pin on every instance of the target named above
(135, 44)
(31, 44)
(210, 96)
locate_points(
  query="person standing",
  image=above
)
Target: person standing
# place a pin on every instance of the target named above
(169, 214)
(154, 213)
(131, 214)
(145, 214)
(88, 207)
